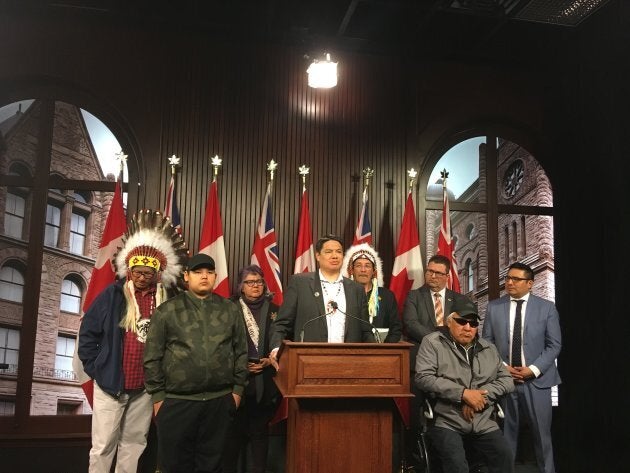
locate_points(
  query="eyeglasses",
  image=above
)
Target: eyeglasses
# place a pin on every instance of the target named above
(462, 322)
(515, 279)
(430, 272)
(143, 274)
(254, 282)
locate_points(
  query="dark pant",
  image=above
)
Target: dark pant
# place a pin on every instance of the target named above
(448, 445)
(191, 434)
(251, 424)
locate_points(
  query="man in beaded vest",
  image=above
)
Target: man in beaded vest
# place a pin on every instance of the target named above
(113, 335)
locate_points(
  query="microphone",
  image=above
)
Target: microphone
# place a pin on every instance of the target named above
(377, 336)
(309, 321)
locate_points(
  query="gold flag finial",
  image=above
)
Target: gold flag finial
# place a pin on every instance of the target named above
(215, 161)
(412, 174)
(174, 162)
(271, 167)
(368, 172)
(303, 171)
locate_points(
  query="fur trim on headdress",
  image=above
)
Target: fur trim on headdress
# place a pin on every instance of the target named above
(151, 240)
(362, 251)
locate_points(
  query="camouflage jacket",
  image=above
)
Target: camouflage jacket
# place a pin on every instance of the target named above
(196, 349)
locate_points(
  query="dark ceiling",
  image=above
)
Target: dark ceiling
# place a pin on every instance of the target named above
(508, 31)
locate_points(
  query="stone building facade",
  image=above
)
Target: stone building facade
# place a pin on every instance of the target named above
(74, 224)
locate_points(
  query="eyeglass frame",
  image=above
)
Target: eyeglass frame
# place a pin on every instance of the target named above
(254, 282)
(462, 321)
(515, 279)
(144, 274)
(435, 273)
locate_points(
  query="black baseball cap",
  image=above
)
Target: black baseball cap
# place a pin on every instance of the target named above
(466, 309)
(200, 260)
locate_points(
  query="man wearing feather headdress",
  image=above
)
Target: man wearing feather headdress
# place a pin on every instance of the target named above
(113, 335)
(363, 264)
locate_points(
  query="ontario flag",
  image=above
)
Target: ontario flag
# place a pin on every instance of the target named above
(407, 274)
(103, 274)
(265, 250)
(446, 246)
(363, 233)
(304, 254)
(211, 241)
(170, 209)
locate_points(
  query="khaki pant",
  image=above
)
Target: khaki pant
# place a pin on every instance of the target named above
(119, 426)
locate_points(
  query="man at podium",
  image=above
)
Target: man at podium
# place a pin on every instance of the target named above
(323, 306)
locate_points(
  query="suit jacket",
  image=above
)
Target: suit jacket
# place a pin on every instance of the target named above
(541, 335)
(304, 301)
(387, 316)
(419, 316)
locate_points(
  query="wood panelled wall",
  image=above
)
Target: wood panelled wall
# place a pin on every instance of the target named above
(251, 106)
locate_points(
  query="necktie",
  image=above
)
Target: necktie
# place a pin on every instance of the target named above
(516, 336)
(439, 312)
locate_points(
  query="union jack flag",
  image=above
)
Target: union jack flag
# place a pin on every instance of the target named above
(363, 233)
(171, 210)
(265, 250)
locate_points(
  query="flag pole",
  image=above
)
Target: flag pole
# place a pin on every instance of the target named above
(303, 171)
(215, 162)
(175, 164)
(368, 172)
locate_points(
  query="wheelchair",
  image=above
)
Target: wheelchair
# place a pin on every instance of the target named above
(475, 463)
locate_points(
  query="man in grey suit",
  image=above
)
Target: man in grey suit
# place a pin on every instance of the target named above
(530, 356)
(422, 315)
(322, 306)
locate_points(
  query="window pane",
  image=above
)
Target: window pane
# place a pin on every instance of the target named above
(63, 356)
(11, 284)
(9, 345)
(53, 223)
(14, 216)
(70, 297)
(464, 163)
(521, 180)
(77, 233)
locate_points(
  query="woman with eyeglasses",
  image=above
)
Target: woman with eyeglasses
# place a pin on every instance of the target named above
(261, 395)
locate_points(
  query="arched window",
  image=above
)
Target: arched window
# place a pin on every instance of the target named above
(12, 282)
(499, 197)
(70, 296)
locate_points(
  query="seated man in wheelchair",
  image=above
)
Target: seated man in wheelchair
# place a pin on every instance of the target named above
(463, 377)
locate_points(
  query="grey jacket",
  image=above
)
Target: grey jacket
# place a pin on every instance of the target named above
(443, 372)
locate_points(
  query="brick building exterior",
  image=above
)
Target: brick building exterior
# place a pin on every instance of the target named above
(74, 223)
(524, 238)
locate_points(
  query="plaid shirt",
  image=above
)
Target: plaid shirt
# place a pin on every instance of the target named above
(133, 349)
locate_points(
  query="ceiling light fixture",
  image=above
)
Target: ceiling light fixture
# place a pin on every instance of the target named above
(322, 74)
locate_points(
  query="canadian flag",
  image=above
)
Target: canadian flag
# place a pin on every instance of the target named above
(103, 275)
(446, 245)
(265, 250)
(408, 271)
(407, 274)
(211, 241)
(304, 254)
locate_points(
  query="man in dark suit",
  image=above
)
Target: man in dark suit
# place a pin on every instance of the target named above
(322, 306)
(426, 309)
(531, 358)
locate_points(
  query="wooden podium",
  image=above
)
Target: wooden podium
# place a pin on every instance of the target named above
(341, 404)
